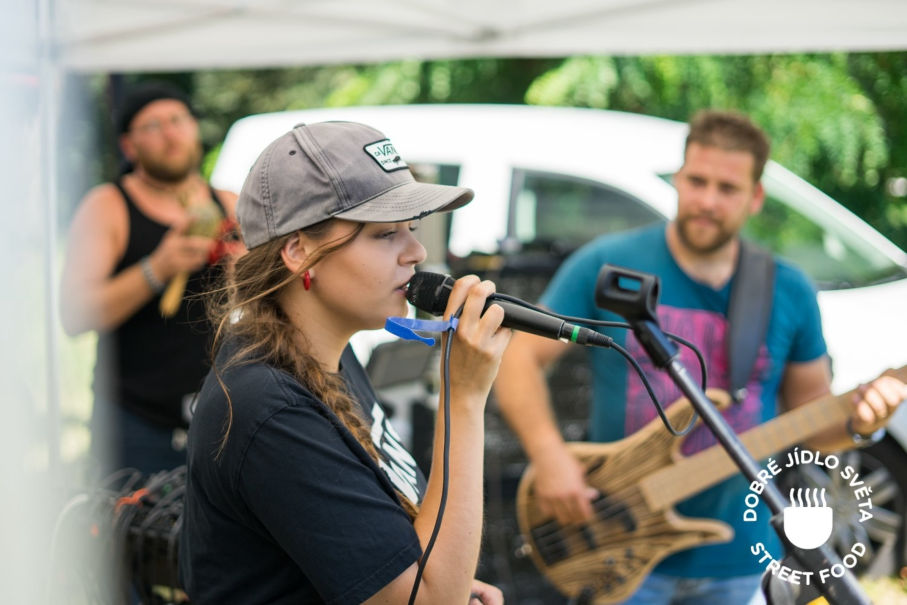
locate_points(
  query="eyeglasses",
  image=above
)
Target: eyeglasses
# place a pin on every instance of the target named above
(155, 127)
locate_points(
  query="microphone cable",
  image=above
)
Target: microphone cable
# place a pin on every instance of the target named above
(580, 320)
(703, 372)
(445, 476)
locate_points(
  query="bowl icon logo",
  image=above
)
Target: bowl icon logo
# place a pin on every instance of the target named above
(807, 523)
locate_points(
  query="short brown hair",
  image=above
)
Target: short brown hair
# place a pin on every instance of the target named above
(730, 131)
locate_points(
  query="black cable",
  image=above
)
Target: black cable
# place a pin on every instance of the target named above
(703, 371)
(120, 544)
(446, 405)
(172, 506)
(163, 511)
(446, 466)
(659, 407)
(172, 552)
(135, 523)
(123, 526)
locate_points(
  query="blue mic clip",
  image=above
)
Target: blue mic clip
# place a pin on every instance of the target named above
(406, 328)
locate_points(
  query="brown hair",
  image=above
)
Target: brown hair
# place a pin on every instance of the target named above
(730, 131)
(246, 311)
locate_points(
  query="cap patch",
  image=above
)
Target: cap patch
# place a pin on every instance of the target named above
(386, 155)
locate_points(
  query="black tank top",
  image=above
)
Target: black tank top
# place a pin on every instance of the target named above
(153, 365)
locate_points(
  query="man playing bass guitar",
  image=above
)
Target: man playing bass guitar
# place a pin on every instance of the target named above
(695, 256)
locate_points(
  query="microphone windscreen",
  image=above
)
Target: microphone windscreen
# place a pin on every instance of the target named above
(429, 291)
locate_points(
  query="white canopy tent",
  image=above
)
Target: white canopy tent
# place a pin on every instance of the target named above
(41, 39)
(136, 35)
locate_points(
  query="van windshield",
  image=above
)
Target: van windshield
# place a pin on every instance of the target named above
(797, 228)
(561, 212)
(832, 254)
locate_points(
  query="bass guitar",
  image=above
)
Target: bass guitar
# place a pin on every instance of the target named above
(639, 479)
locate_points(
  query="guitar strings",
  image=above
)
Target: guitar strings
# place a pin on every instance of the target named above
(605, 508)
(627, 501)
(550, 534)
(608, 507)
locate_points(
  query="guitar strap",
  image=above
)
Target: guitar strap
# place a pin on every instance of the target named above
(748, 313)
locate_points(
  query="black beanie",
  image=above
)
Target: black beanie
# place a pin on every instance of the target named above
(143, 94)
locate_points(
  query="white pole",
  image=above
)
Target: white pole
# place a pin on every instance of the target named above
(29, 411)
(48, 119)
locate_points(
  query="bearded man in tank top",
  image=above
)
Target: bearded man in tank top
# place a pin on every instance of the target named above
(129, 239)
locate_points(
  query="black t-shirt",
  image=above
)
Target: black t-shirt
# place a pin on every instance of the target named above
(149, 364)
(294, 510)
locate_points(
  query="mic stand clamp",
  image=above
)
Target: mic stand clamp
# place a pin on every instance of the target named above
(634, 296)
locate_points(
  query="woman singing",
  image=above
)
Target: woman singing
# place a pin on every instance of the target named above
(298, 489)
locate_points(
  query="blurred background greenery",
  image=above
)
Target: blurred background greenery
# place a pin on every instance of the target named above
(835, 119)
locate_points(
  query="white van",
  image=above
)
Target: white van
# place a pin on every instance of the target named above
(563, 176)
(567, 175)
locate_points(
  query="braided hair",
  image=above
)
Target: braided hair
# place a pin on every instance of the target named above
(246, 310)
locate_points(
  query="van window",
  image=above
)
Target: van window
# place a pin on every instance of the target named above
(549, 208)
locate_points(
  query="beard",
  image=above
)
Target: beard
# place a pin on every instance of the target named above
(172, 170)
(702, 245)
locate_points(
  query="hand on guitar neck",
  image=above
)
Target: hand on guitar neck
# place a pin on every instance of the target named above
(877, 401)
(865, 410)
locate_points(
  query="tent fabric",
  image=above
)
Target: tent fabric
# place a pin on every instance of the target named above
(145, 35)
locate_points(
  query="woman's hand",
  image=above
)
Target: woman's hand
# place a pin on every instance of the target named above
(479, 341)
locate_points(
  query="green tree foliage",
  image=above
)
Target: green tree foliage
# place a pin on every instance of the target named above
(833, 118)
(225, 96)
(228, 95)
(883, 79)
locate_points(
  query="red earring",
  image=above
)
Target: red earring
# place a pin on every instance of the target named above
(306, 280)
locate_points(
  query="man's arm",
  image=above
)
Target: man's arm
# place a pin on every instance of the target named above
(522, 393)
(874, 403)
(92, 297)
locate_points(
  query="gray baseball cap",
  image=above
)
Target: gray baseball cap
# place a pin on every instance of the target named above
(334, 170)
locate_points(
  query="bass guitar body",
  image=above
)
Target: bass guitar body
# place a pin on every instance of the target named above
(639, 480)
(606, 559)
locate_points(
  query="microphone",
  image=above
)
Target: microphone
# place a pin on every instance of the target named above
(430, 291)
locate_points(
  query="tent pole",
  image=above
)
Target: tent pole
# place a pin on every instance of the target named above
(48, 118)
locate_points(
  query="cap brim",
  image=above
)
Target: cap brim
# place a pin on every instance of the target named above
(407, 202)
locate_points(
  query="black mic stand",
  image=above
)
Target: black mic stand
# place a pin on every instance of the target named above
(633, 295)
